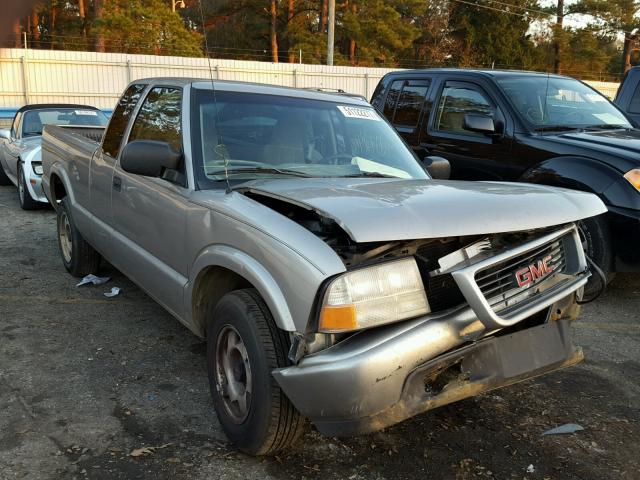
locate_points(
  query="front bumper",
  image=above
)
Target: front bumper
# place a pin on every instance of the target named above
(377, 378)
(34, 187)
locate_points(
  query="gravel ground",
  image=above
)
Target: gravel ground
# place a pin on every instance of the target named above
(85, 380)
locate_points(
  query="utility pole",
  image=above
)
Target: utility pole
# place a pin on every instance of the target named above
(331, 31)
(557, 63)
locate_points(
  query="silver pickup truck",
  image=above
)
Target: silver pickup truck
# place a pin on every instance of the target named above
(332, 277)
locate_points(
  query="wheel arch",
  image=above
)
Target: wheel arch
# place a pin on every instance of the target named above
(220, 269)
(58, 186)
(575, 172)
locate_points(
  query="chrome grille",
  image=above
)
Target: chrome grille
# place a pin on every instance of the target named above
(499, 284)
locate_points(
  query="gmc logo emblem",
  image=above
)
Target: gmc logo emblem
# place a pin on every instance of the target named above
(527, 275)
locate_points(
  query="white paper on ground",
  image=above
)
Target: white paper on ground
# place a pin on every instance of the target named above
(93, 280)
(563, 429)
(114, 291)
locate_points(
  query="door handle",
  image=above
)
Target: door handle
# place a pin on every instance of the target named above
(117, 184)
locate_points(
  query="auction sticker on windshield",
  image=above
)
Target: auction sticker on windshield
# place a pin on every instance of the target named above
(356, 112)
(86, 112)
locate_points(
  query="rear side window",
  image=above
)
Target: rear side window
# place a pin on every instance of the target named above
(392, 98)
(120, 119)
(159, 117)
(410, 103)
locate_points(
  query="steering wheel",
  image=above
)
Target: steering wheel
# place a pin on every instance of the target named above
(335, 159)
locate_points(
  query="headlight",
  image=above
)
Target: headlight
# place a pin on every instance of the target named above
(372, 296)
(37, 168)
(633, 177)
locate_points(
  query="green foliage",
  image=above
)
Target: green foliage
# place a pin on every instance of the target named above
(148, 27)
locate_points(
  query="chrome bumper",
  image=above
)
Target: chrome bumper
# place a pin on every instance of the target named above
(367, 381)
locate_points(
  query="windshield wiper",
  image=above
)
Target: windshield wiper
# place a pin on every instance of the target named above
(606, 126)
(281, 171)
(368, 174)
(556, 128)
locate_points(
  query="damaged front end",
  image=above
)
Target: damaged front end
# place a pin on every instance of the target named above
(499, 312)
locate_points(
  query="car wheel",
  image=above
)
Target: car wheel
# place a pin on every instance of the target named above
(26, 202)
(4, 179)
(78, 257)
(596, 241)
(244, 345)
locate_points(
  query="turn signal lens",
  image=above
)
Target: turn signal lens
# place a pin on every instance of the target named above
(372, 296)
(633, 177)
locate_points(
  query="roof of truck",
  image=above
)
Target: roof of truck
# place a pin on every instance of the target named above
(41, 106)
(473, 71)
(259, 88)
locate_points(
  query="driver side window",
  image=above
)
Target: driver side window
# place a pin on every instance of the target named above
(455, 102)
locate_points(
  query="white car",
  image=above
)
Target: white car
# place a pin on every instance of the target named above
(20, 161)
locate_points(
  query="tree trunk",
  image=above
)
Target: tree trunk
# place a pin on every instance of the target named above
(52, 31)
(17, 33)
(273, 33)
(81, 11)
(352, 41)
(629, 42)
(99, 43)
(35, 28)
(324, 14)
(290, 13)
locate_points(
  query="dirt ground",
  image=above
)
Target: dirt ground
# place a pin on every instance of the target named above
(85, 380)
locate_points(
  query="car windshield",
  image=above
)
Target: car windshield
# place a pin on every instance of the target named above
(550, 103)
(256, 136)
(34, 120)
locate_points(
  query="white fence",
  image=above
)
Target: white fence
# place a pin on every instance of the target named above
(39, 76)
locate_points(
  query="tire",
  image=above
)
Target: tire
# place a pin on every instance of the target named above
(26, 202)
(78, 257)
(596, 241)
(4, 179)
(269, 423)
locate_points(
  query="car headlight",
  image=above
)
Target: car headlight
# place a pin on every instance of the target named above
(37, 168)
(633, 177)
(372, 296)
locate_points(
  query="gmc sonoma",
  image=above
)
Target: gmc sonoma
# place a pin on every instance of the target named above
(333, 279)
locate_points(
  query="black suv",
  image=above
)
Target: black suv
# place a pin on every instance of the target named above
(527, 127)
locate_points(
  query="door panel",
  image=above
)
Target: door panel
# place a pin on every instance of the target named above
(150, 214)
(473, 156)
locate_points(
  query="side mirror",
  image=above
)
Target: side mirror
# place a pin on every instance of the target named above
(5, 134)
(439, 168)
(149, 158)
(479, 123)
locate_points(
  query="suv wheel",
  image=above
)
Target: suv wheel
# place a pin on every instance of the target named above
(78, 257)
(26, 202)
(243, 346)
(596, 242)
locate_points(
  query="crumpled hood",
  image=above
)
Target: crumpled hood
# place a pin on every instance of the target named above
(623, 144)
(387, 209)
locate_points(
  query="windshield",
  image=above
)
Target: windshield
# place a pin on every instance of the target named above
(551, 102)
(34, 120)
(272, 136)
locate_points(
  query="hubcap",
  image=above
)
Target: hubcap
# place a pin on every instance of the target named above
(233, 374)
(64, 234)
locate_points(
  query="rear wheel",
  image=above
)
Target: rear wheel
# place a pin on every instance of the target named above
(78, 257)
(26, 202)
(243, 346)
(596, 242)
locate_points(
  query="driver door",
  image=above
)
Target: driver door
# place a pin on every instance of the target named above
(473, 156)
(150, 214)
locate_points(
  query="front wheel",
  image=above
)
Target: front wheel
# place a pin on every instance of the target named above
(78, 257)
(26, 202)
(596, 241)
(244, 346)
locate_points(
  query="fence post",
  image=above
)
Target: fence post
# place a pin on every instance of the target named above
(366, 85)
(217, 69)
(295, 78)
(129, 72)
(25, 78)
